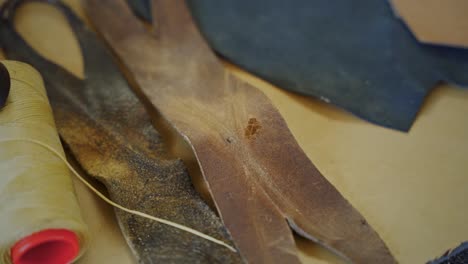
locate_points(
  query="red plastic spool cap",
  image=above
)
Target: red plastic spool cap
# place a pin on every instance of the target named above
(51, 246)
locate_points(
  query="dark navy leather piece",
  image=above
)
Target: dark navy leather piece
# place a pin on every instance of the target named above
(354, 54)
(141, 8)
(457, 256)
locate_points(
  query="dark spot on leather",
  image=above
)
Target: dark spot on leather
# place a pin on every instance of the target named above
(253, 126)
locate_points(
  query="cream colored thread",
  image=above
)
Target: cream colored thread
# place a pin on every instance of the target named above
(36, 191)
(107, 200)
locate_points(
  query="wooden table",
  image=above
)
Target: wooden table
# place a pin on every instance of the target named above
(412, 187)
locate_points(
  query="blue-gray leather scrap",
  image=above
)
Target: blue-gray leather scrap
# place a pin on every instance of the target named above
(141, 8)
(457, 256)
(356, 55)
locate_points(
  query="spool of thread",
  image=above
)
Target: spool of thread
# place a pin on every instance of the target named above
(40, 219)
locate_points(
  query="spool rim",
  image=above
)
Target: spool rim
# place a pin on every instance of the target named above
(51, 246)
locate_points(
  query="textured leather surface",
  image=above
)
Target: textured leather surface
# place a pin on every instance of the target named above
(260, 179)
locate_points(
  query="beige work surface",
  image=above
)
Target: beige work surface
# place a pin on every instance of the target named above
(412, 187)
(435, 21)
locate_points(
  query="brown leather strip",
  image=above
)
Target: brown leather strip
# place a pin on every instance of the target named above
(257, 174)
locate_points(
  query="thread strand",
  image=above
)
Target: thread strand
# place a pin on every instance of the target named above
(109, 201)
